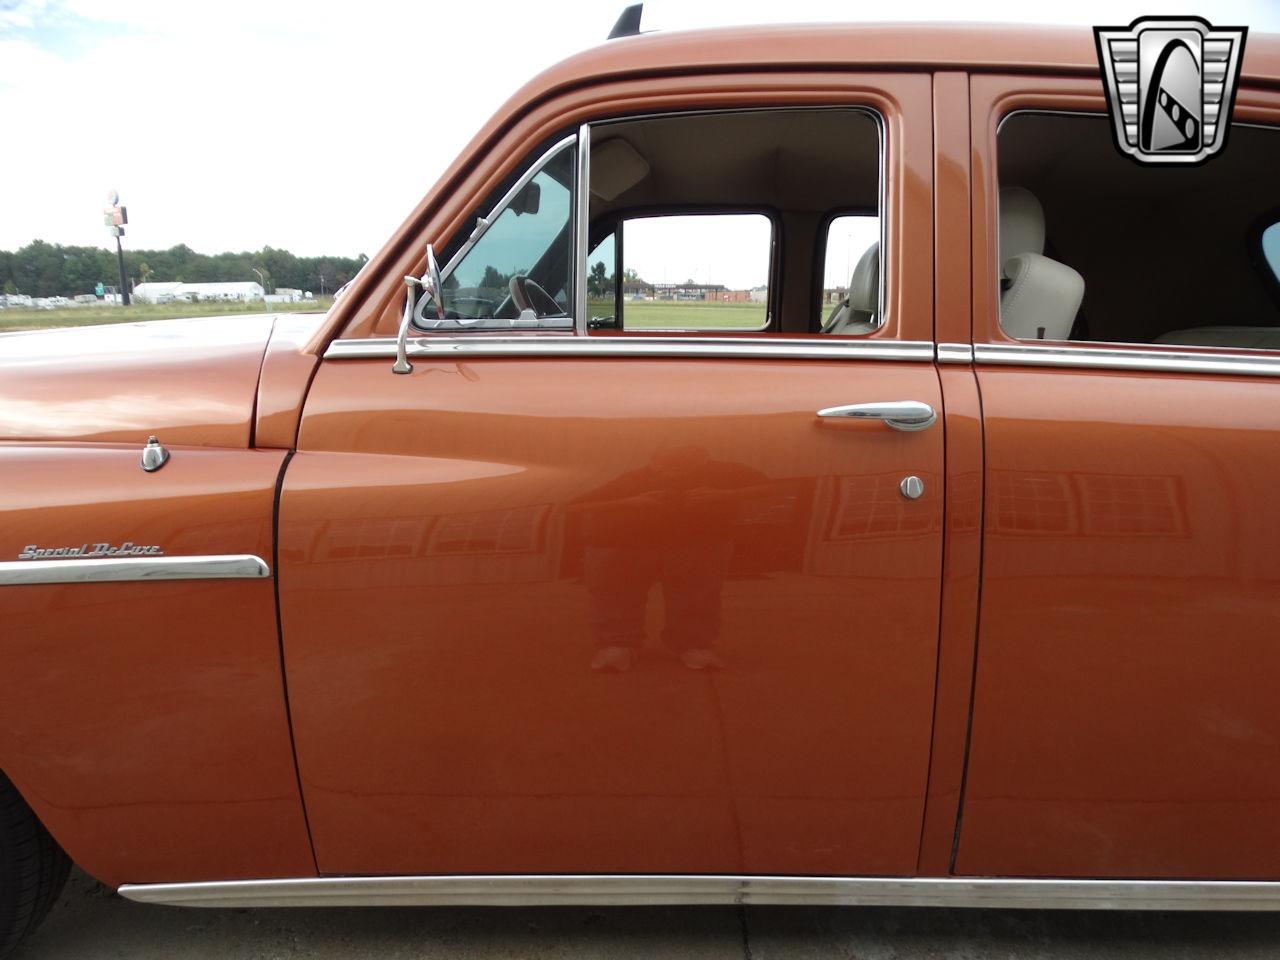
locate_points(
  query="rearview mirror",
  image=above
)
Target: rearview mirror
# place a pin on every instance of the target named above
(527, 200)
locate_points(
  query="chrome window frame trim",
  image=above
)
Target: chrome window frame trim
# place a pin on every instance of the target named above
(882, 140)
(581, 228)
(132, 569)
(571, 345)
(634, 890)
(1126, 358)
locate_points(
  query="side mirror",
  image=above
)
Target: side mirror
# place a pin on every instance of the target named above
(431, 287)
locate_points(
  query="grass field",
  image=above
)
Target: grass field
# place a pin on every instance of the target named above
(12, 320)
(687, 314)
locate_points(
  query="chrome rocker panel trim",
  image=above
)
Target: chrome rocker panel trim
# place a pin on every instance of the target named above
(559, 345)
(1104, 358)
(641, 890)
(125, 569)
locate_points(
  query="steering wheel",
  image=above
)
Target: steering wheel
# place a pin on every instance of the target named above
(528, 295)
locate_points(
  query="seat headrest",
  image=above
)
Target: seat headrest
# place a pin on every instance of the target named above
(1021, 223)
(1042, 300)
(864, 285)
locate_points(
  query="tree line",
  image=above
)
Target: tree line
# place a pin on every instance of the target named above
(52, 270)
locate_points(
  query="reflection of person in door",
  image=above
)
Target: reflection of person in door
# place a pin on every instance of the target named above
(669, 522)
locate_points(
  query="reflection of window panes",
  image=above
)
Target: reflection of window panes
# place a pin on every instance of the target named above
(1271, 248)
(531, 238)
(601, 284)
(704, 272)
(851, 275)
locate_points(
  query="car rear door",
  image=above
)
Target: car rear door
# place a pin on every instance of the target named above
(1124, 717)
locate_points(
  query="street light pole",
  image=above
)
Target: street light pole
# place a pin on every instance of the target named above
(262, 280)
(115, 217)
(124, 280)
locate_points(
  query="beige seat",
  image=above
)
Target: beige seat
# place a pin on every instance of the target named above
(857, 313)
(1043, 295)
(1245, 338)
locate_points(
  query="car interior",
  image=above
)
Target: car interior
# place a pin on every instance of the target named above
(777, 162)
(1091, 249)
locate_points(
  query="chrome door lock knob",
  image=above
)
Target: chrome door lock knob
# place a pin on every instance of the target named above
(912, 487)
(154, 456)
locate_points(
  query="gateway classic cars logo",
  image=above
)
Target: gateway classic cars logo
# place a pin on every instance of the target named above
(88, 551)
(1171, 83)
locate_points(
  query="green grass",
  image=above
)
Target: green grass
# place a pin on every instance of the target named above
(638, 314)
(12, 320)
(687, 314)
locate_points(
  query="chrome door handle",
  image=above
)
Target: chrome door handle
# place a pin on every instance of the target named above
(906, 415)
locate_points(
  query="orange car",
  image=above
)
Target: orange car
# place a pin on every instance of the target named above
(949, 576)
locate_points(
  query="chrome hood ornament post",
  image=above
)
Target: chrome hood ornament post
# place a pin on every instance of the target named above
(154, 456)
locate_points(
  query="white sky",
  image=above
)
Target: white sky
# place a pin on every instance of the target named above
(317, 126)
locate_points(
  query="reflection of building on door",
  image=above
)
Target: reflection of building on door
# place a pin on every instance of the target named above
(1036, 503)
(519, 544)
(800, 525)
(851, 511)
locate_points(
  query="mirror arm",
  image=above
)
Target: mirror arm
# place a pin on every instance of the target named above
(431, 286)
(402, 364)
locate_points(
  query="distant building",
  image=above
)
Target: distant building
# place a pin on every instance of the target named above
(759, 294)
(688, 291)
(235, 290)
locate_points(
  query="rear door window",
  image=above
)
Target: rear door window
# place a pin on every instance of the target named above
(700, 272)
(1271, 249)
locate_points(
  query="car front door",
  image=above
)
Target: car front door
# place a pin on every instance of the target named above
(556, 602)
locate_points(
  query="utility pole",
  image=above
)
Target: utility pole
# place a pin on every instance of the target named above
(115, 217)
(263, 280)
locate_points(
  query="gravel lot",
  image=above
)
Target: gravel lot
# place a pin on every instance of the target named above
(91, 923)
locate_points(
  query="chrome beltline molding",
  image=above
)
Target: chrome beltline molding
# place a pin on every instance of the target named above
(1103, 358)
(634, 890)
(122, 569)
(482, 345)
(955, 353)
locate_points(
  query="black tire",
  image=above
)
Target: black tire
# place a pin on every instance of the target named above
(33, 869)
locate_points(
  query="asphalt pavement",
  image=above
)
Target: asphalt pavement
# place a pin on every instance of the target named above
(90, 922)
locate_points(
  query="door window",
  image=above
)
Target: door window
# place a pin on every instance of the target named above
(1096, 248)
(722, 220)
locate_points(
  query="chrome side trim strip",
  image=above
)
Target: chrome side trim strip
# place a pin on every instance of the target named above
(955, 353)
(559, 345)
(123, 569)
(564, 890)
(1105, 358)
